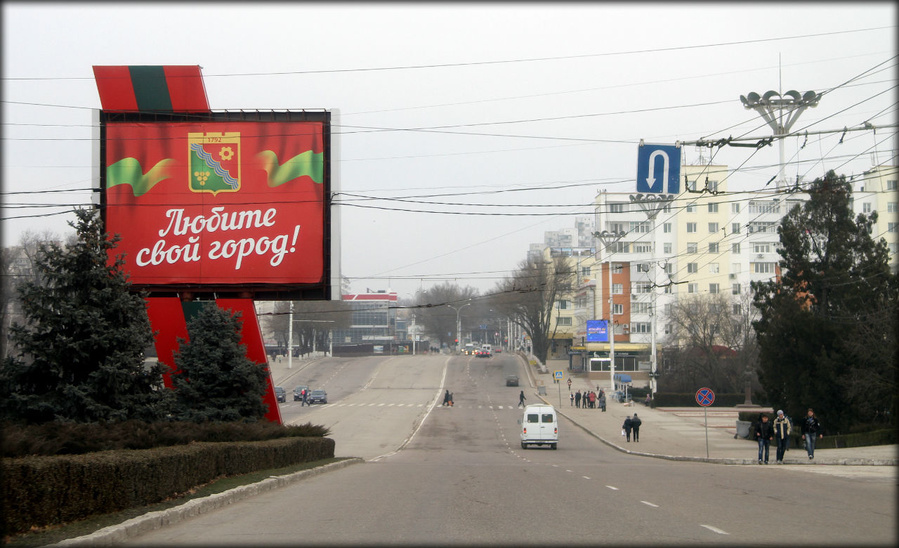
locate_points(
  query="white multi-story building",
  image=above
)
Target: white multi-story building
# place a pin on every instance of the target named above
(705, 241)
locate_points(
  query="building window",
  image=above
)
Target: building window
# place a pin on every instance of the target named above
(713, 288)
(643, 287)
(713, 208)
(642, 267)
(691, 208)
(764, 206)
(667, 248)
(641, 308)
(692, 268)
(713, 247)
(616, 227)
(891, 227)
(866, 207)
(737, 309)
(616, 208)
(642, 248)
(763, 268)
(892, 207)
(618, 289)
(618, 309)
(585, 271)
(692, 288)
(641, 327)
(713, 268)
(759, 226)
(617, 268)
(761, 248)
(563, 320)
(735, 228)
(691, 228)
(621, 247)
(735, 268)
(735, 207)
(735, 248)
(639, 227)
(563, 304)
(891, 185)
(692, 247)
(713, 228)
(691, 185)
(666, 228)
(735, 289)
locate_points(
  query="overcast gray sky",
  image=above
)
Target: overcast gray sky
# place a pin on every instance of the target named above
(493, 123)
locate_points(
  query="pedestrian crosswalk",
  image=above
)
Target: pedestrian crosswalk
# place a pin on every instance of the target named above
(422, 405)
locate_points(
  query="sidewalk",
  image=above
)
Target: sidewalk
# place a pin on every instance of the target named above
(680, 433)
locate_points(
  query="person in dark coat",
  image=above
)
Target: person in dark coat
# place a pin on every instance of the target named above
(521, 399)
(602, 401)
(628, 425)
(811, 430)
(764, 433)
(635, 424)
(446, 398)
(577, 399)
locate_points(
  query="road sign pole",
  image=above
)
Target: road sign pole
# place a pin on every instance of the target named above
(706, 409)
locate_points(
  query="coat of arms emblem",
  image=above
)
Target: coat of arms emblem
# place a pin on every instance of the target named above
(214, 162)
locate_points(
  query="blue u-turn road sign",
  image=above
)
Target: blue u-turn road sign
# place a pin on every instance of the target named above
(658, 169)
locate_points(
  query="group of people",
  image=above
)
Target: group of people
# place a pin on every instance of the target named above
(779, 430)
(588, 399)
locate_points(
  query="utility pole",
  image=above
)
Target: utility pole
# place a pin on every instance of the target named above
(458, 324)
(609, 239)
(780, 112)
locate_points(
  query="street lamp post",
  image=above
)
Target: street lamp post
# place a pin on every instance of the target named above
(609, 239)
(458, 323)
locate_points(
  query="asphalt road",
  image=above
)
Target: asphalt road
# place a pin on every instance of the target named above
(438, 475)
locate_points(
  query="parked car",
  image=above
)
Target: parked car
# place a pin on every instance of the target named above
(317, 396)
(298, 393)
(280, 394)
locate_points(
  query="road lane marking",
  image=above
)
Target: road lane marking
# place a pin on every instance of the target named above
(649, 504)
(612, 488)
(714, 529)
(586, 477)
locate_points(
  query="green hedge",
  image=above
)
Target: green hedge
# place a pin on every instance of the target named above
(39, 490)
(674, 399)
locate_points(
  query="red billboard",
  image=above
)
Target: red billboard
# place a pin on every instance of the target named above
(219, 201)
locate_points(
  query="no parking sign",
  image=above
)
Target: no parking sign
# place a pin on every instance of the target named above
(705, 397)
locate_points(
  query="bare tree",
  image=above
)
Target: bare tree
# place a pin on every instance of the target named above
(434, 310)
(529, 297)
(710, 343)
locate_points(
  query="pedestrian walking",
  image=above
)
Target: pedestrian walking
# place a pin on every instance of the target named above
(521, 399)
(451, 399)
(635, 424)
(782, 429)
(446, 398)
(811, 432)
(602, 401)
(764, 433)
(304, 394)
(571, 397)
(648, 400)
(628, 425)
(577, 399)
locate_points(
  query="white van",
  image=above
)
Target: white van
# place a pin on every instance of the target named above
(539, 426)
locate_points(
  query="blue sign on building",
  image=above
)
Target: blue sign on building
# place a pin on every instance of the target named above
(658, 169)
(597, 331)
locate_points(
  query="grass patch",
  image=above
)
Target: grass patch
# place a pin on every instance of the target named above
(57, 533)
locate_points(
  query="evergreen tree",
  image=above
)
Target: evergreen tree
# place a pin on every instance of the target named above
(80, 354)
(835, 283)
(214, 380)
